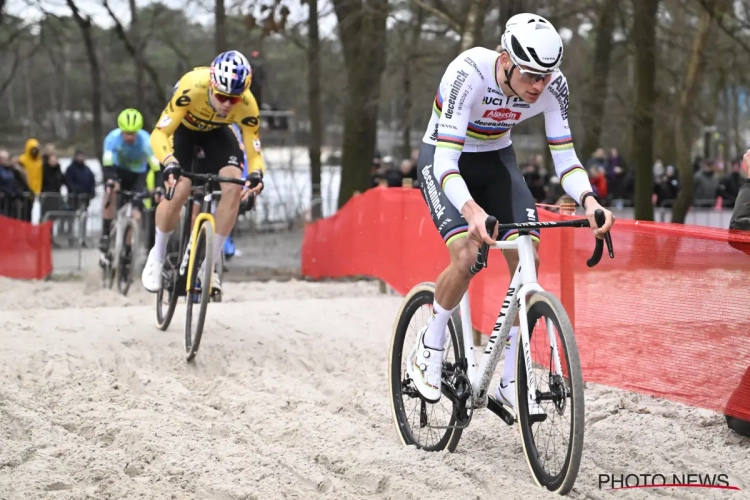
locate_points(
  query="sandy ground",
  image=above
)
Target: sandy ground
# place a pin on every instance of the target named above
(287, 398)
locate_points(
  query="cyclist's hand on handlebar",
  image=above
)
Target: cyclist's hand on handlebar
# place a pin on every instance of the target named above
(171, 173)
(592, 205)
(476, 217)
(254, 185)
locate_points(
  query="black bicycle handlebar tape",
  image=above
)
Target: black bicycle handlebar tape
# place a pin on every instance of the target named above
(484, 250)
(594, 260)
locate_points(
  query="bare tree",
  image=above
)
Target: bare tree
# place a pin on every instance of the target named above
(594, 105)
(85, 25)
(220, 20)
(362, 34)
(135, 33)
(642, 125)
(313, 99)
(133, 51)
(683, 128)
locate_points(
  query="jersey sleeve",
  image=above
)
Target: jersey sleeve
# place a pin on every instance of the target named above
(457, 91)
(170, 119)
(572, 175)
(109, 157)
(248, 118)
(148, 152)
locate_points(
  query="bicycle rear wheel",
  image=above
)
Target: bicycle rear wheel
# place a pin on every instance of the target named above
(199, 288)
(556, 369)
(414, 418)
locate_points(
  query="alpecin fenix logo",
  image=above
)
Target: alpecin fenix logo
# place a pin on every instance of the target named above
(680, 480)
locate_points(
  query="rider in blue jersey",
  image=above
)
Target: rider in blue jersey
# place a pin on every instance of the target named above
(126, 161)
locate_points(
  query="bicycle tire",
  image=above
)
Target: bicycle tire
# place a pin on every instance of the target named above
(109, 272)
(203, 246)
(170, 269)
(422, 294)
(545, 304)
(125, 276)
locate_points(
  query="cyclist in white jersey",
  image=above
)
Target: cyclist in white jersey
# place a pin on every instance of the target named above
(467, 169)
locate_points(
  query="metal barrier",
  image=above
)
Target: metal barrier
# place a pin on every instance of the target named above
(17, 205)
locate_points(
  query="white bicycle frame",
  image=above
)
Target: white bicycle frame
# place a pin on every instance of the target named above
(523, 283)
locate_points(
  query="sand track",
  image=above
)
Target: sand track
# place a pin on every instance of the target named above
(287, 398)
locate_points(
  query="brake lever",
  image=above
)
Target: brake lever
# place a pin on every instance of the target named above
(484, 250)
(599, 248)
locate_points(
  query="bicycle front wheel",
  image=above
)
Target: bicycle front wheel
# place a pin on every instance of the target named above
(126, 259)
(199, 288)
(431, 427)
(551, 421)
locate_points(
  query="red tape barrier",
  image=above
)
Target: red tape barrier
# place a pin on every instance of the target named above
(25, 249)
(667, 317)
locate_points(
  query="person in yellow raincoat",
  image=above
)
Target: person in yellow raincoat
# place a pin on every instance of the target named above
(31, 161)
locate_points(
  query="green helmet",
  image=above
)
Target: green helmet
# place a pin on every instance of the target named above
(130, 121)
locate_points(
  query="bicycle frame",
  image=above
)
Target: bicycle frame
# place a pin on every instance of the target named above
(204, 215)
(523, 283)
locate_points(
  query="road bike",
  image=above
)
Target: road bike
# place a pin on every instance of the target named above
(183, 273)
(465, 381)
(118, 262)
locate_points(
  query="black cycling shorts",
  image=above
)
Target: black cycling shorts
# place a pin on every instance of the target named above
(130, 181)
(221, 147)
(495, 183)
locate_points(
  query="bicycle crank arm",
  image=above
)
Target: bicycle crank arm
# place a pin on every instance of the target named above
(498, 409)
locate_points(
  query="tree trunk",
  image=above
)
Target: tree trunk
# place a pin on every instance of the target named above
(95, 75)
(683, 129)
(313, 97)
(594, 106)
(135, 34)
(221, 26)
(411, 56)
(473, 24)
(642, 125)
(508, 9)
(362, 26)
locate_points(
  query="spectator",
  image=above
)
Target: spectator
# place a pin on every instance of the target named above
(740, 221)
(613, 162)
(667, 188)
(389, 172)
(622, 185)
(597, 160)
(409, 171)
(52, 182)
(15, 196)
(535, 181)
(49, 149)
(31, 161)
(598, 180)
(729, 187)
(706, 185)
(80, 181)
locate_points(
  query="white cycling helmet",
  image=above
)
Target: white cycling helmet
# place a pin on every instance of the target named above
(531, 41)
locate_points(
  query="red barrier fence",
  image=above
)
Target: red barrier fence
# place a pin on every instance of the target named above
(25, 249)
(668, 316)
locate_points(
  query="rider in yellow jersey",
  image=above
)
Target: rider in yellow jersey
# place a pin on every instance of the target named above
(207, 101)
